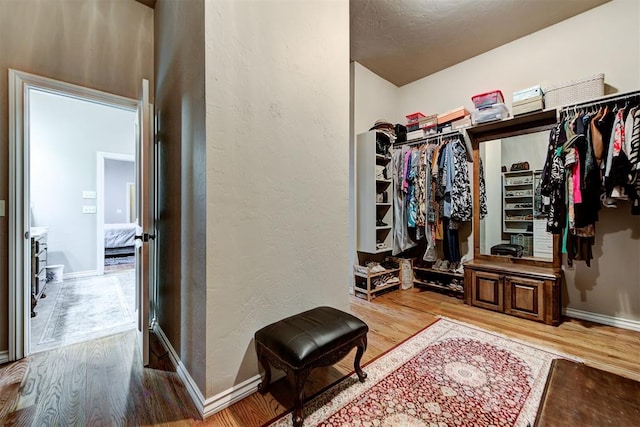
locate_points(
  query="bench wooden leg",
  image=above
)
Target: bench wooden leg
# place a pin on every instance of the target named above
(262, 358)
(362, 346)
(297, 378)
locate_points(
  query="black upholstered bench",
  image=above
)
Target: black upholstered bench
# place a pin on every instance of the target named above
(298, 344)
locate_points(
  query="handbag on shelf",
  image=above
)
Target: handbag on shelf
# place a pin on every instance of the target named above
(521, 166)
(507, 250)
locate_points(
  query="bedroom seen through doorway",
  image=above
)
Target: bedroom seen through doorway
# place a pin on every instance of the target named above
(82, 178)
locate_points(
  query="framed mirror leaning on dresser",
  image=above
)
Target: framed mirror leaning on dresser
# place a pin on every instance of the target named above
(516, 266)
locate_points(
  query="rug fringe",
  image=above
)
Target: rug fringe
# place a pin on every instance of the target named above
(560, 353)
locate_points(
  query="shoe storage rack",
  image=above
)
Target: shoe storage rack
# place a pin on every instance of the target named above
(434, 278)
(369, 283)
(518, 189)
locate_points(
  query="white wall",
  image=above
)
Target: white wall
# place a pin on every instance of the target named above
(531, 148)
(65, 135)
(117, 174)
(277, 105)
(372, 98)
(491, 225)
(603, 40)
(105, 45)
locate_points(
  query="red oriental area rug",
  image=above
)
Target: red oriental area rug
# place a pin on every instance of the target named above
(449, 374)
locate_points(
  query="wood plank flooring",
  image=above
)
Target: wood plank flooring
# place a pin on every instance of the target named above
(615, 400)
(101, 382)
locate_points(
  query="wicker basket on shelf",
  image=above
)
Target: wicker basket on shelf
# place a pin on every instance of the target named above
(574, 91)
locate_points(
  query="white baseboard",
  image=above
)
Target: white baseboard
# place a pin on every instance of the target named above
(220, 401)
(230, 396)
(183, 374)
(4, 357)
(632, 325)
(81, 274)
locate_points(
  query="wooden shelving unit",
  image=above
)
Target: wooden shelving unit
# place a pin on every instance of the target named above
(419, 274)
(369, 207)
(368, 290)
(517, 206)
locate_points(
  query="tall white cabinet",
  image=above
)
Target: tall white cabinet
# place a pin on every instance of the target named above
(374, 197)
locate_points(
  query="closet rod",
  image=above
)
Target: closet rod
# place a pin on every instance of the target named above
(603, 100)
(426, 139)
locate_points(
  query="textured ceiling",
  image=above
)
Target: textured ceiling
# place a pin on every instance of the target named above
(405, 40)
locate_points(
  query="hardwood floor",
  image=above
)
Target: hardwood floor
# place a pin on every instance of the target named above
(101, 382)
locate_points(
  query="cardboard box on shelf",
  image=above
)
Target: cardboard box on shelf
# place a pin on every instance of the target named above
(528, 93)
(528, 105)
(428, 122)
(461, 123)
(454, 114)
(416, 134)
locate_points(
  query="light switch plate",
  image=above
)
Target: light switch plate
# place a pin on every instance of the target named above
(88, 194)
(89, 209)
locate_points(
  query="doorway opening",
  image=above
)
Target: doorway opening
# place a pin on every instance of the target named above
(49, 229)
(79, 206)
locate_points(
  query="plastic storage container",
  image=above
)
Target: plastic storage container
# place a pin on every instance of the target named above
(486, 99)
(494, 112)
(414, 117)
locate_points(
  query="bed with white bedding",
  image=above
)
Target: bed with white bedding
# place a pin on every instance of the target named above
(119, 239)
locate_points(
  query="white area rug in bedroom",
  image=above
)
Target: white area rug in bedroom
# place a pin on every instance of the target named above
(77, 310)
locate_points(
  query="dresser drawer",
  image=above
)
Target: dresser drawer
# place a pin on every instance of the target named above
(42, 265)
(42, 250)
(528, 292)
(524, 297)
(40, 282)
(487, 290)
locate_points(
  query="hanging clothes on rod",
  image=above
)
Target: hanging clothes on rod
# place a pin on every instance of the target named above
(409, 191)
(592, 160)
(432, 194)
(614, 134)
(401, 239)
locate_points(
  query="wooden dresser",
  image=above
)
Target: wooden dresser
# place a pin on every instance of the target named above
(38, 265)
(525, 283)
(526, 291)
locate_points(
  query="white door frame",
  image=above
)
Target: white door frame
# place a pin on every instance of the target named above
(20, 83)
(101, 156)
